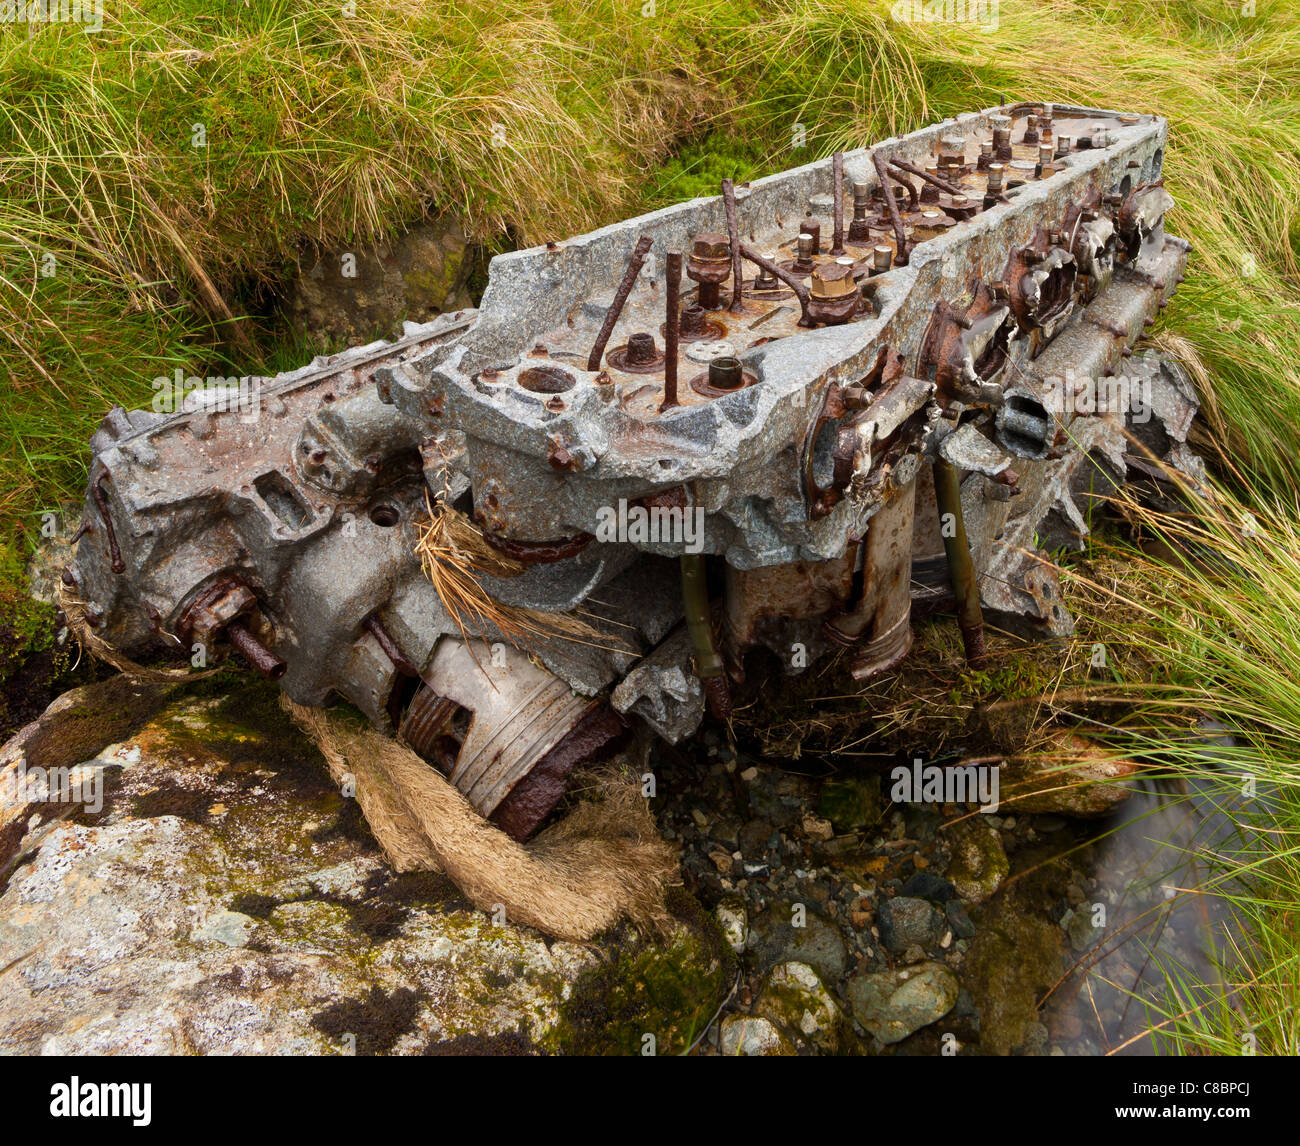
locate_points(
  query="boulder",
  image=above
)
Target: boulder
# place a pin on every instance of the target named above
(204, 888)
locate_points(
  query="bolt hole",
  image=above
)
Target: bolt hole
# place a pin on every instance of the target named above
(385, 516)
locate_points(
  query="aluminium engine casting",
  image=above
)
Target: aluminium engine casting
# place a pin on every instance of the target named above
(792, 415)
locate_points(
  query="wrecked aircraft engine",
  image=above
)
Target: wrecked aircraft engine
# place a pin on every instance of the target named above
(789, 416)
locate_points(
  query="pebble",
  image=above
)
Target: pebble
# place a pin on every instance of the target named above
(751, 1036)
(906, 922)
(895, 1004)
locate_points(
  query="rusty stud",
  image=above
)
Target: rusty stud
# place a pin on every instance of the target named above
(860, 228)
(709, 265)
(733, 240)
(900, 233)
(726, 373)
(634, 264)
(790, 280)
(765, 280)
(561, 459)
(807, 248)
(837, 235)
(641, 349)
(673, 280)
(253, 651)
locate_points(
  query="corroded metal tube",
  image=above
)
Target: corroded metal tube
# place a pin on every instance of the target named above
(792, 281)
(733, 235)
(639, 252)
(672, 326)
(253, 651)
(961, 568)
(887, 190)
(837, 236)
(699, 623)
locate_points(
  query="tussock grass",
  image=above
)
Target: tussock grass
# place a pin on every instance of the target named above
(1210, 628)
(318, 127)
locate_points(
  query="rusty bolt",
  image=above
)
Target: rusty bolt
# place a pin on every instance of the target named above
(710, 247)
(834, 281)
(559, 458)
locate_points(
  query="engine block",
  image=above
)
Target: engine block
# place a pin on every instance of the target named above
(792, 415)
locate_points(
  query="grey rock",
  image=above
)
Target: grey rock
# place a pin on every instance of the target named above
(419, 275)
(753, 838)
(796, 1001)
(223, 901)
(229, 927)
(733, 918)
(895, 1004)
(959, 920)
(818, 943)
(904, 921)
(979, 861)
(751, 1036)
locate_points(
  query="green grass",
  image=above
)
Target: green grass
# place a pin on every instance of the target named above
(1212, 627)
